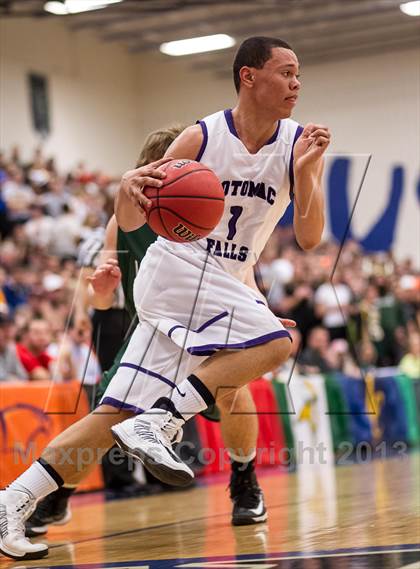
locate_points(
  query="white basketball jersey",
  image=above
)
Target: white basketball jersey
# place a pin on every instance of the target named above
(257, 189)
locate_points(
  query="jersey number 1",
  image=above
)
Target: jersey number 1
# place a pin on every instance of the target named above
(236, 211)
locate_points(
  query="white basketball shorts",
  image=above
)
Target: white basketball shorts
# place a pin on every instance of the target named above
(189, 308)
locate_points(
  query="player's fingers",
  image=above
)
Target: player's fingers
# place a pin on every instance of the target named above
(307, 131)
(320, 132)
(142, 202)
(322, 141)
(287, 323)
(321, 127)
(160, 162)
(142, 181)
(155, 173)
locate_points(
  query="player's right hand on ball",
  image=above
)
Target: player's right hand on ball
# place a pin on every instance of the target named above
(134, 181)
(106, 277)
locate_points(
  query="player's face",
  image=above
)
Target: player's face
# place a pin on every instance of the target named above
(277, 83)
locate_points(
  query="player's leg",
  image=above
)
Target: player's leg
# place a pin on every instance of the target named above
(149, 436)
(67, 459)
(54, 509)
(239, 426)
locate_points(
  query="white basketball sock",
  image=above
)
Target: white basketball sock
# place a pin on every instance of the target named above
(241, 458)
(36, 481)
(189, 398)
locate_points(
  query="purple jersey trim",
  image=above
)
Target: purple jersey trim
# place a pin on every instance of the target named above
(205, 140)
(231, 126)
(203, 326)
(209, 349)
(298, 132)
(121, 405)
(261, 302)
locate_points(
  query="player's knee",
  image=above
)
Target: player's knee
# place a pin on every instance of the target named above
(278, 351)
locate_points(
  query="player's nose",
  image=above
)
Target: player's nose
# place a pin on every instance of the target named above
(295, 84)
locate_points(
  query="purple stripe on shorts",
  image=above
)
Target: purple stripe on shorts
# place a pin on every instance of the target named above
(203, 326)
(174, 328)
(149, 372)
(209, 349)
(121, 405)
(205, 140)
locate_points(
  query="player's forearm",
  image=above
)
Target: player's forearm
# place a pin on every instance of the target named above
(101, 301)
(129, 218)
(308, 220)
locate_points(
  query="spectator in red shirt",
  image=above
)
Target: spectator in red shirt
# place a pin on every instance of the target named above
(36, 338)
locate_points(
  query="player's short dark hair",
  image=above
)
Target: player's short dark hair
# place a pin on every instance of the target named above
(254, 52)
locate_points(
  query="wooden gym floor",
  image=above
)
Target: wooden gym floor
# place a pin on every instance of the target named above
(357, 516)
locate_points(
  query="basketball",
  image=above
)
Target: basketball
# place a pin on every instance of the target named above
(189, 204)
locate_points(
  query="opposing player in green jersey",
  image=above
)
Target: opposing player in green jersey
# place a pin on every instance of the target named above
(119, 260)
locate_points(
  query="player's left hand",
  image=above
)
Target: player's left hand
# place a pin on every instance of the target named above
(106, 277)
(311, 145)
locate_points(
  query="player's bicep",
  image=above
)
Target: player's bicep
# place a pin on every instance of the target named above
(187, 144)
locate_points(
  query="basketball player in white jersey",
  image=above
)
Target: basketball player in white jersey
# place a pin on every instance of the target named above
(198, 300)
(206, 332)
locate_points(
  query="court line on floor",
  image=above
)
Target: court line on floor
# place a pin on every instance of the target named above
(205, 562)
(413, 548)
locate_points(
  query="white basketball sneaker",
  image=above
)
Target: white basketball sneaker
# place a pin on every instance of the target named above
(149, 438)
(15, 508)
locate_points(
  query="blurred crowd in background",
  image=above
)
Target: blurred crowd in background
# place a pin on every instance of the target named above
(367, 315)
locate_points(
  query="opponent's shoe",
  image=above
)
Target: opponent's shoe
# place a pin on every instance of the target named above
(54, 509)
(15, 508)
(247, 498)
(149, 438)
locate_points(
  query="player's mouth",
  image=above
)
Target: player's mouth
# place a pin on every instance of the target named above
(292, 100)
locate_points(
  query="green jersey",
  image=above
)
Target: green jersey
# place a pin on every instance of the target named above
(131, 248)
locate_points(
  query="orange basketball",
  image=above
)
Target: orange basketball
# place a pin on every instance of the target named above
(189, 204)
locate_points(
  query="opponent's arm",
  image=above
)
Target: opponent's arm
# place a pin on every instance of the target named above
(107, 276)
(308, 220)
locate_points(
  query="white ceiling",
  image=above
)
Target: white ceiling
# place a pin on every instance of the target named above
(318, 30)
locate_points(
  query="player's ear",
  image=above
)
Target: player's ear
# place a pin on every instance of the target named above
(247, 76)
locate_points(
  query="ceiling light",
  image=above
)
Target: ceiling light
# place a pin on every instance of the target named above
(61, 8)
(57, 8)
(197, 45)
(411, 8)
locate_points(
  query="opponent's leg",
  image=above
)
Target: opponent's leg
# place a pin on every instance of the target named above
(239, 426)
(67, 459)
